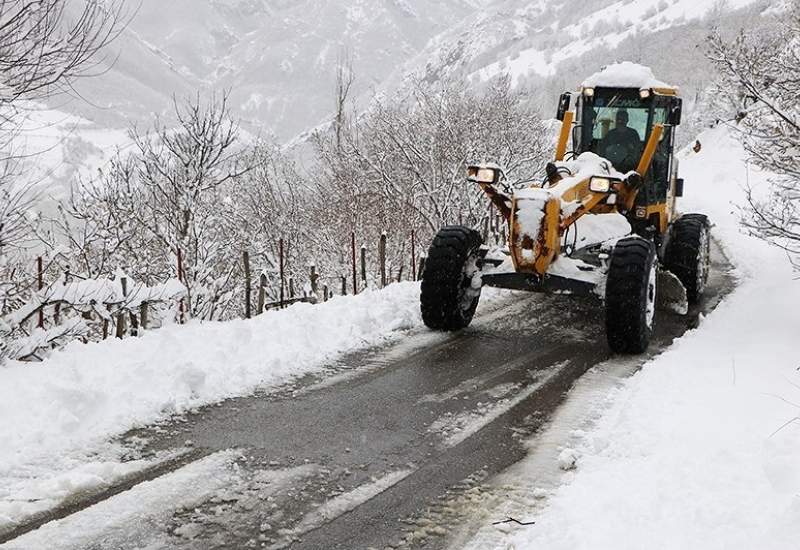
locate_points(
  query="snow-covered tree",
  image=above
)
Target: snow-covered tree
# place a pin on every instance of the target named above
(760, 81)
(401, 166)
(168, 198)
(191, 188)
(45, 45)
(262, 206)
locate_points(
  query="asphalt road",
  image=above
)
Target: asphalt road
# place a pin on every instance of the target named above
(387, 434)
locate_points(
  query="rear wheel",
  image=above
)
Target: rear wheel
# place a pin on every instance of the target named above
(688, 253)
(631, 295)
(451, 285)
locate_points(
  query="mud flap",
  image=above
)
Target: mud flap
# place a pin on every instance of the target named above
(670, 293)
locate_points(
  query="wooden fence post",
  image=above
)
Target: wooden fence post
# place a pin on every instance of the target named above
(364, 265)
(324, 293)
(134, 324)
(382, 258)
(262, 290)
(181, 306)
(291, 287)
(247, 285)
(344, 285)
(143, 315)
(280, 261)
(313, 277)
(121, 315)
(353, 257)
(413, 256)
(422, 260)
(40, 286)
(57, 308)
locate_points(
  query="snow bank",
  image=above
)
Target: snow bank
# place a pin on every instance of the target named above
(699, 449)
(625, 75)
(89, 391)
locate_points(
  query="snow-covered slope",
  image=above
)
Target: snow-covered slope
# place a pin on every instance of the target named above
(523, 38)
(66, 147)
(277, 57)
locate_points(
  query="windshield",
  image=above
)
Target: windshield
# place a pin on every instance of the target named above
(615, 127)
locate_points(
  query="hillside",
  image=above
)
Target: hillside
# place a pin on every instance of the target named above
(280, 64)
(276, 57)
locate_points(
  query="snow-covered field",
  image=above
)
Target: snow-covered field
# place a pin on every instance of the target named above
(699, 449)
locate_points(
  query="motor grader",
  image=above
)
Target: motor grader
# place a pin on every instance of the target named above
(601, 222)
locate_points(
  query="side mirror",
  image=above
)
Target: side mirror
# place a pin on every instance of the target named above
(674, 116)
(679, 187)
(563, 105)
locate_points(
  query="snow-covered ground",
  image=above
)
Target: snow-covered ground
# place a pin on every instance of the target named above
(629, 18)
(59, 415)
(699, 449)
(57, 149)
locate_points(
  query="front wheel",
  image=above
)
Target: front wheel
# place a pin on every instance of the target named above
(631, 295)
(451, 285)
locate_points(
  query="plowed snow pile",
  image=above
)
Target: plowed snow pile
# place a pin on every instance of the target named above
(699, 449)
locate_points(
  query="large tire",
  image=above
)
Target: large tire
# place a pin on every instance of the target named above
(630, 295)
(448, 296)
(688, 253)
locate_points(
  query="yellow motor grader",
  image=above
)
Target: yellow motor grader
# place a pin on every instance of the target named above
(602, 221)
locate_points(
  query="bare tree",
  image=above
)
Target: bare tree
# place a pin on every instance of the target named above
(267, 204)
(344, 82)
(184, 170)
(45, 45)
(760, 75)
(401, 165)
(174, 195)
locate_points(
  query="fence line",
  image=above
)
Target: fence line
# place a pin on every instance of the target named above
(126, 314)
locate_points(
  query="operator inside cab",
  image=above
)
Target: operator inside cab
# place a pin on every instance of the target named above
(622, 143)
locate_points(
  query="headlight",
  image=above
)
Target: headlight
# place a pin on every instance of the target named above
(600, 185)
(481, 174)
(644, 94)
(588, 92)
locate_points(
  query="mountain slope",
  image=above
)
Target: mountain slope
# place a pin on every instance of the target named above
(278, 58)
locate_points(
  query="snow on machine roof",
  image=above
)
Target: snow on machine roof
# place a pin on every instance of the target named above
(628, 75)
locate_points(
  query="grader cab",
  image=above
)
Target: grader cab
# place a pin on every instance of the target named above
(602, 222)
